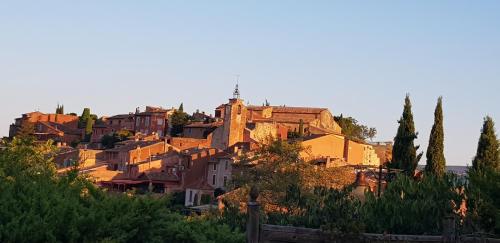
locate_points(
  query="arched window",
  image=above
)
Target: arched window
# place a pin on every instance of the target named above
(239, 110)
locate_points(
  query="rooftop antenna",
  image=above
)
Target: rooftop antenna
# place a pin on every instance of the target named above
(236, 93)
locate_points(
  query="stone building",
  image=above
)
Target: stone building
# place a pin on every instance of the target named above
(58, 127)
(153, 120)
(112, 124)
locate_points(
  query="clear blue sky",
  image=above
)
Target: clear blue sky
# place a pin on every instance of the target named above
(356, 58)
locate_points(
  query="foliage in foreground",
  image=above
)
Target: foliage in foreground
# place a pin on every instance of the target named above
(411, 206)
(39, 206)
(484, 199)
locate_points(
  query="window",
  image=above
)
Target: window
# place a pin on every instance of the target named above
(225, 180)
(213, 180)
(137, 121)
(215, 166)
(146, 123)
(227, 164)
(190, 196)
(160, 122)
(160, 133)
(239, 110)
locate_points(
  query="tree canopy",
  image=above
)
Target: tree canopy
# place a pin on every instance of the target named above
(179, 119)
(353, 130)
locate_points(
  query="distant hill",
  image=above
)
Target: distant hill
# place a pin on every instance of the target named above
(457, 169)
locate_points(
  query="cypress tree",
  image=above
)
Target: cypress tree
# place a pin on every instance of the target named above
(60, 109)
(487, 155)
(301, 128)
(88, 128)
(435, 152)
(181, 107)
(84, 117)
(404, 151)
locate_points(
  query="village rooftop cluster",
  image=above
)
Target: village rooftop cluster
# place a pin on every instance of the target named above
(198, 159)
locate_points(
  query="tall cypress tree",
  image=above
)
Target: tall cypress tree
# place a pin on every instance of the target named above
(435, 152)
(404, 155)
(88, 128)
(181, 107)
(84, 117)
(487, 155)
(60, 109)
(301, 128)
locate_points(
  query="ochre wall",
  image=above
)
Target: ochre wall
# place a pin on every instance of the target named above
(355, 152)
(325, 146)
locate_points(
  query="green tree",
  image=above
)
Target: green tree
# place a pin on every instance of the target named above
(84, 118)
(88, 128)
(410, 206)
(179, 119)
(60, 109)
(483, 213)
(487, 155)
(353, 130)
(370, 133)
(435, 151)
(26, 131)
(404, 155)
(109, 140)
(181, 107)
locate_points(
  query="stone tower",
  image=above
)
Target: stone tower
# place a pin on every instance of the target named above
(235, 118)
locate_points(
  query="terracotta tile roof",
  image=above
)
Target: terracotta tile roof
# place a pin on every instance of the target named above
(121, 116)
(204, 125)
(158, 176)
(131, 145)
(200, 184)
(287, 109)
(308, 110)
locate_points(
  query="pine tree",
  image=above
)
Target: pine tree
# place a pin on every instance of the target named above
(404, 151)
(88, 128)
(487, 155)
(181, 107)
(435, 152)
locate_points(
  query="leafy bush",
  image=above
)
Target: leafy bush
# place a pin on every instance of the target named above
(484, 201)
(410, 206)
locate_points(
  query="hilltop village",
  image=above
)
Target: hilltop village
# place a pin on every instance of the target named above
(144, 150)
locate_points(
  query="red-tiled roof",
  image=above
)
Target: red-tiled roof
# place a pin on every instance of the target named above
(131, 145)
(204, 125)
(287, 109)
(200, 184)
(121, 116)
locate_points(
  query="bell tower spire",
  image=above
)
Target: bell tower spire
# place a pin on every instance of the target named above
(236, 93)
